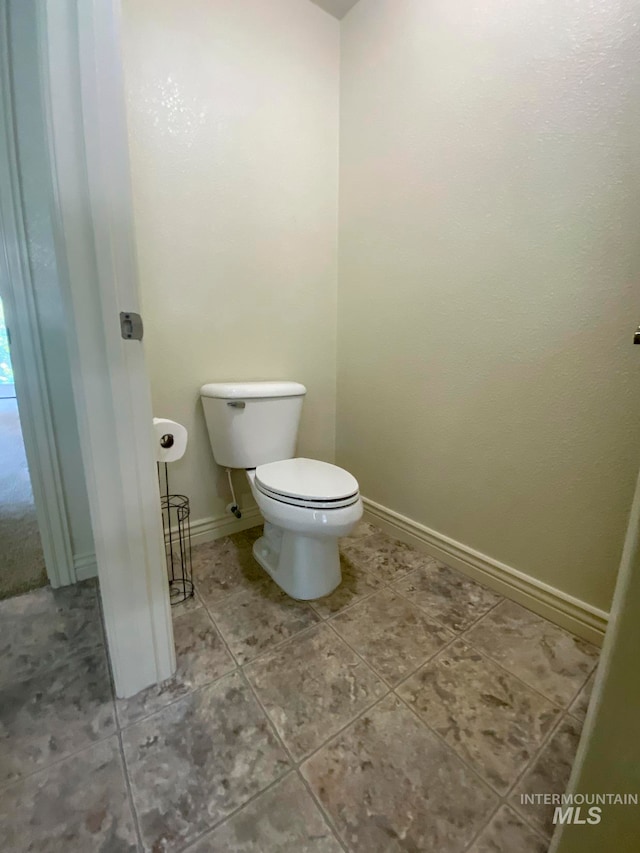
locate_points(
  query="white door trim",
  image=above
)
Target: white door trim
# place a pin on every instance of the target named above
(92, 213)
(16, 288)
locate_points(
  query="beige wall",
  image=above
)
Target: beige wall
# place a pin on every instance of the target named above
(489, 275)
(233, 115)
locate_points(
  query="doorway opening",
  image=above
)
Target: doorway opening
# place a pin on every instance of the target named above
(22, 565)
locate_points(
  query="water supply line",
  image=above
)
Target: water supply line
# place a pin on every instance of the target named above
(233, 506)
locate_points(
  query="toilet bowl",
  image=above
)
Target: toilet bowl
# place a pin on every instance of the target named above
(307, 504)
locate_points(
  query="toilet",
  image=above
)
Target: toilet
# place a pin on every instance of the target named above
(307, 504)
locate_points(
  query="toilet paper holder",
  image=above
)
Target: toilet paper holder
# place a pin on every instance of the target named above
(176, 527)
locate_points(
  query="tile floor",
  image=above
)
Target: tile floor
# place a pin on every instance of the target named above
(406, 712)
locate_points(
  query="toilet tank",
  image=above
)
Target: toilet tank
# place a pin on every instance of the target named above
(251, 423)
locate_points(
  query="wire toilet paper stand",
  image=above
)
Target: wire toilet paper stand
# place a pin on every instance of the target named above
(177, 538)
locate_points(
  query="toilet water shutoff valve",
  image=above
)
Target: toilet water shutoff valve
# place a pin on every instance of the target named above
(235, 509)
(233, 506)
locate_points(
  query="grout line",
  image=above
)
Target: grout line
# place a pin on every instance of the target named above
(335, 735)
(483, 654)
(305, 757)
(457, 636)
(73, 658)
(448, 747)
(46, 767)
(504, 798)
(220, 634)
(429, 660)
(534, 758)
(527, 822)
(484, 826)
(116, 717)
(237, 669)
(123, 727)
(176, 613)
(461, 636)
(581, 688)
(295, 765)
(320, 806)
(458, 632)
(505, 804)
(371, 666)
(367, 665)
(218, 823)
(132, 802)
(365, 597)
(554, 625)
(276, 647)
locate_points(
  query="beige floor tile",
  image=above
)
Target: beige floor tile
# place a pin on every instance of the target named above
(197, 760)
(507, 833)
(392, 635)
(44, 628)
(548, 658)
(54, 714)
(205, 764)
(224, 567)
(284, 819)
(79, 805)
(447, 595)
(356, 583)
(391, 786)
(548, 775)
(386, 558)
(311, 687)
(194, 602)
(256, 619)
(580, 704)
(490, 718)
(201, 657)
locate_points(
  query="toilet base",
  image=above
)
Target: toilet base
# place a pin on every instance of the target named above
(305, 567)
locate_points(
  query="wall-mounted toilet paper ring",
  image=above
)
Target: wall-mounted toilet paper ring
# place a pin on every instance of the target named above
(167, 440)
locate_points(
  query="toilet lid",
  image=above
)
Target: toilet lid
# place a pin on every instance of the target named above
(306, 479)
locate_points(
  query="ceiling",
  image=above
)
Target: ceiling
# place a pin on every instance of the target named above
(337, 8)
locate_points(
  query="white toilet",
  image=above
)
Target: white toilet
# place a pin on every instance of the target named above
(307, 504)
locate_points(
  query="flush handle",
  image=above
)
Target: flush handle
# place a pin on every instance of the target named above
(236, 404)
(636, 336)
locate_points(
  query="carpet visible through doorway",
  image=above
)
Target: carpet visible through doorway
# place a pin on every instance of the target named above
(21, 559)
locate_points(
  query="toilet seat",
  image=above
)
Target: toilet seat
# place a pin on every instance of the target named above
(307, 483)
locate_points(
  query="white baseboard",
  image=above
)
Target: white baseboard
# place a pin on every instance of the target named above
(202, 530)
(208, 529)
(85, 566)
(577, 616)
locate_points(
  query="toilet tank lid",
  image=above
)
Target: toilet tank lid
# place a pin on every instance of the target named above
(255, 390)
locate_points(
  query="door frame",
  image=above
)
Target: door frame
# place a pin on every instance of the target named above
(607, 723)
(32, 391)
(92, 215)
